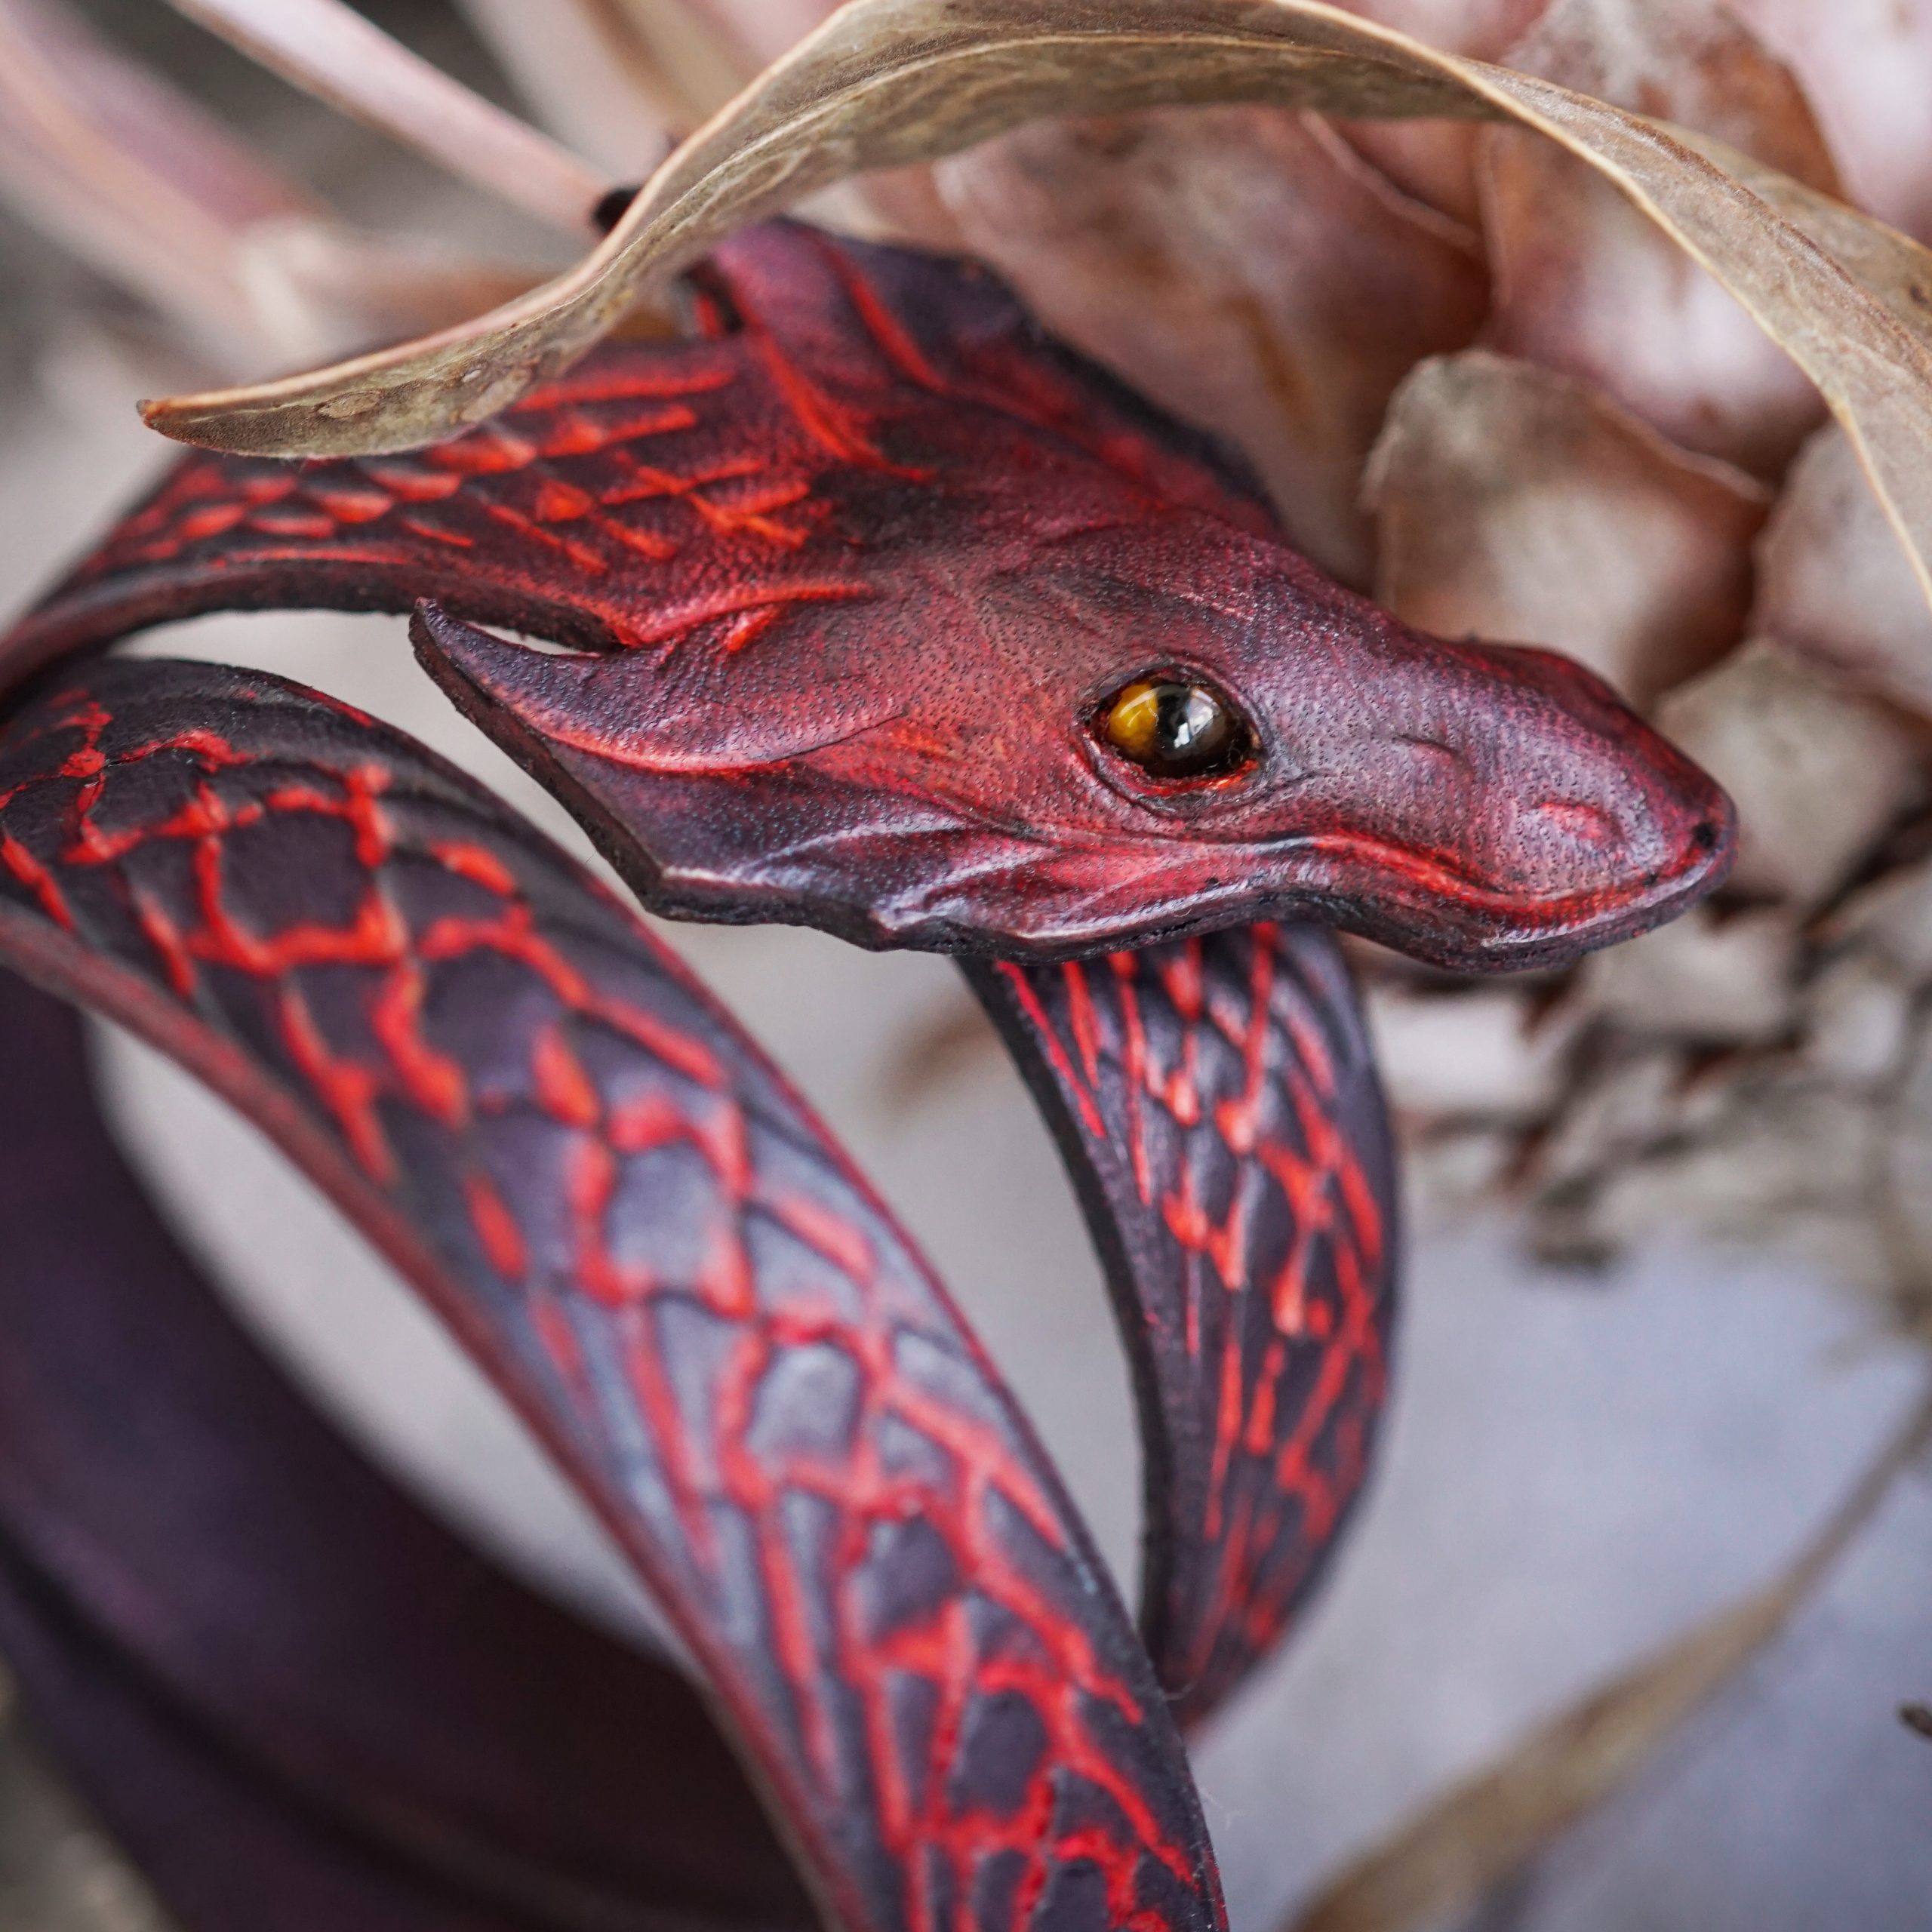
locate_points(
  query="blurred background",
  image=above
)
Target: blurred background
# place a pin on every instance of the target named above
(1652, 1337)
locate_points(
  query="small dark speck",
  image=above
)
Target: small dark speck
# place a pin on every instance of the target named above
(1917, 1717)
(610, 207)
(1704, 838)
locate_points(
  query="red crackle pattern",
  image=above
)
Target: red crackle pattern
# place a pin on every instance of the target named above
(655, 1250)
(842, 584)
(669, 496)
(1217, 1102)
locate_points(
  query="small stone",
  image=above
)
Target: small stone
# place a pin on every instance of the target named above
(1858, 1019)
(1719, 981)
(1818, 771)
(1469, 1054)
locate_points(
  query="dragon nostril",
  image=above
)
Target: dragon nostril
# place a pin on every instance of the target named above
(1576, 820)
(1705, 837)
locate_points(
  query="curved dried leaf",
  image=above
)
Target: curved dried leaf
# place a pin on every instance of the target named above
(330, 51)
(1515, 503)
(1490, 1826)
(1585, 285)
(1436, 161)
(1243, 266)
(888, 82)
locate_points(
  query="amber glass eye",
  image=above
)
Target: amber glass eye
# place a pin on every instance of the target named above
(1172, 729)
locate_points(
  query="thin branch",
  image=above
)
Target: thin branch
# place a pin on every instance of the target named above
(1486, 1829)
(133, 177)
(622, 76)
(114, 164)
(331, 51)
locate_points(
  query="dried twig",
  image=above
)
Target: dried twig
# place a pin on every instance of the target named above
(132, 176)
(621, 75)
(331, 51)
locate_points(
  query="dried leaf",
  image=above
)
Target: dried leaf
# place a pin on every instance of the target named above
(889, 82)
(1907, 1219)
(1490, 1826)
(332, 51)
(1585, 283)
(1817, 771)
(1892, 916)
(1242, 266)
(1792, 1173)
(1833, 585)
(1718, 982)
(1515, 503)
(1632, 1099)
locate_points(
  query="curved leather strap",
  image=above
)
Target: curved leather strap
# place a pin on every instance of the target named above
(277, 1678)
(622, 1212)
(1217, 1105)
(673, 497)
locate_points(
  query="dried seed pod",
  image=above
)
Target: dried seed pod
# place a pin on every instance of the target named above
(1513, 502)
(1245, 267)
(1476, 1053)
(1582, 282)
(1716, 981)
(1817, 771)
(1834, 584)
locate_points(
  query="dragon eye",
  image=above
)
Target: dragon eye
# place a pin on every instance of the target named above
(1172, 729)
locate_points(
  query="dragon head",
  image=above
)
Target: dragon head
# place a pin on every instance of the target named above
(1038, 679)
(883, 612)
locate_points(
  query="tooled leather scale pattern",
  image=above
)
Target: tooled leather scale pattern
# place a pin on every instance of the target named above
(659, 497)
(1217, 1102)
(653, 1246)
(677, 498)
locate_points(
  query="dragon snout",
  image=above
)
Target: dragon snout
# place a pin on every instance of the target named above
(1600, 794)
(1488, 807)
